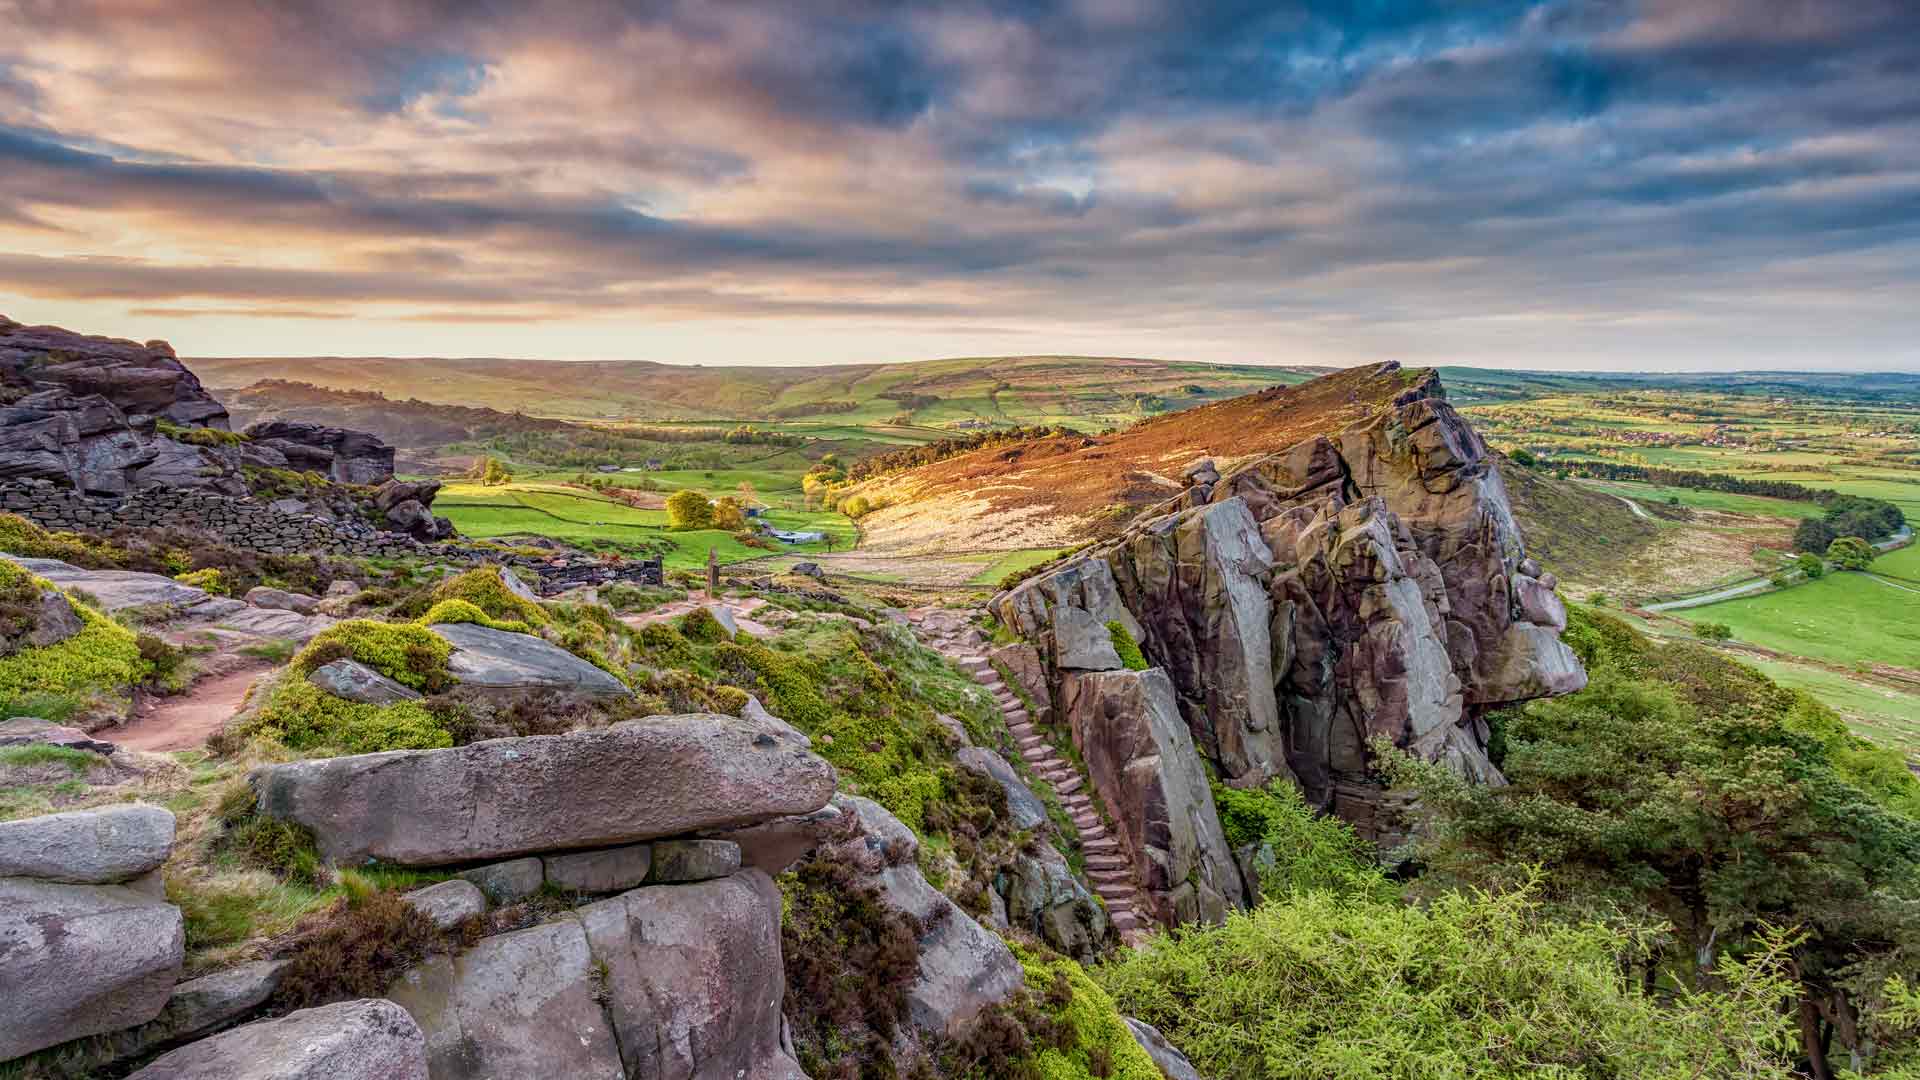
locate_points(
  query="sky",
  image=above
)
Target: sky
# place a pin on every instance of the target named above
(1590, 184)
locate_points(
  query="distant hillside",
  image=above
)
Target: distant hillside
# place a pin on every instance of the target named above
(1059, 490)
(407, 424)
(1090, 392)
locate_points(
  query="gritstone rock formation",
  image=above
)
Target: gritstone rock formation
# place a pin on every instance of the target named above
(1367, 583)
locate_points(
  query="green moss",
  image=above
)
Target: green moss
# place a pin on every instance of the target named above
(198, 436)
(404, 652)
(701, 626)
(661, 646)
(1129, 649)
(79, 761)
(103, 658)
(209, 579)
(483, 588)
(1098, 1039)
(465, 611)
(302, 716)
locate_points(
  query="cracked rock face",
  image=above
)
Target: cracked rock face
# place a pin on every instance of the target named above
(1369, 583)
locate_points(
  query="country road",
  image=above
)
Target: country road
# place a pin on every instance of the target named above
(1633, 506)
(1760, 583)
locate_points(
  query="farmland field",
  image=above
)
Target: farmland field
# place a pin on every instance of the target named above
(1843, 617)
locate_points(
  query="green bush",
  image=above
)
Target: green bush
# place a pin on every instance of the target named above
(465, 611)
(407, 653)
(1474, 985)
(103, 658)
(1712, 631)
(699, 625)
(1098, 1043)
(209, 579)
(483, 588)
(1309, 851)
(302, 716)
(1130, 656)
(689, 509)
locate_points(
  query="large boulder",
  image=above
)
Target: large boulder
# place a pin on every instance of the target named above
(78, 960)
(1024, 808)
(346, 457)
(503, 660)
(87, 847)
(355, 681)
(693, 978)
(964, 968)
(1141, 759)
(637, 780)
(519, 1004)
(350, 1040)
(1045, 899)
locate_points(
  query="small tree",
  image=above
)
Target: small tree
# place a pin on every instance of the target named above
(856, 507)
(728, 515)
(1851, 553)
(1813, 535)
(1712, 631)
(1523, 458)
(1811, 566)
(689, 509)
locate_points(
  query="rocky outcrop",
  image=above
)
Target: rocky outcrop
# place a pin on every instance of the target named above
(351, 680)
(1043, 898)
(406, 506)
(1364, 584)
(343, 456)
(351, 1040)
(1025, 811)
(1142, 761)
(509, 797)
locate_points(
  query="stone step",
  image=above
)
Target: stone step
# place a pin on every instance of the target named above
(1018, 716)
(1034, 755)
(1021, 728)
(1072, 785)
(1076, 804)
(1111, 876)
(1105, 862)
(1054, 771)
(1098, 845)
(1024, 741)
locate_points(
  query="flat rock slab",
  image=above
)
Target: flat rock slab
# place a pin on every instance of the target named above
(677, 861)
(503, 660)
(25, 730)
(351, 1040)
(200, 1005)
(78, 960)
(604, 871)
(115, 589)
(265, 622)
(261, 596)
(449, 903)
(507, 882)
(87, 847)
(637, 780)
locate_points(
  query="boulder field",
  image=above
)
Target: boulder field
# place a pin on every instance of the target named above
(1289, 610)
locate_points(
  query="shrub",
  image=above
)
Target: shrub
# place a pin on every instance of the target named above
(729, 515)
(465, 611)
(1810, 566)
(209, 579)
(850, 961)
(700, 625)
(1474, 985)
(355, 948)
(1851, 553)
(1130, 656)
(104, 657)
(484, 588)
(689, 509)
(1523, 458)
(197, 436)
(406, 653)
(304, 717)
(1308, 851)
(856, 507)
(1712, 631)
(1093, 1039)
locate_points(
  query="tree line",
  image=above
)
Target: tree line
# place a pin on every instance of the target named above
(912, 457)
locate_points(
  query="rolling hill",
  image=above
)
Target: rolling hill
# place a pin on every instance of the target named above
(1090, 392)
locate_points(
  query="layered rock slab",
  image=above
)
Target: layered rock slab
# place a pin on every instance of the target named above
(351, 1040)
(637, 780)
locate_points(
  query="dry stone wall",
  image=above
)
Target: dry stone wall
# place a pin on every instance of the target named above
(241, 522)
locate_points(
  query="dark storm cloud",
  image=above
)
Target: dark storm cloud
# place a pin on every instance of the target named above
(1052, 160)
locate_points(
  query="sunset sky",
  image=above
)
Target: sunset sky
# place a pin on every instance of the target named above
(1659, 184)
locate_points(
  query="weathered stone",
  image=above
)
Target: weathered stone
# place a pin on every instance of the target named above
(1023, 662)
(604, 871)
(507, 797)
(87, 847)
(396, 491)
(355, 681)
(964, 968)
(677, 861)
(201, 1005)
(448, 903)
(78, 960)
(346, 457)
(261, 596)
(351, 1040)
(1024, 808)
(1142, 761)
(116, 590)
(516, 586)
(808, 569)
(342, 587)
(723, 615)
(1045, 899)
(54, 620)
(24, 730)
(1171, 1062)
(520, 1004)
(1080, 643)
(693, 978)
(508, 882)
(774, 846)
(270, 623)
(503, 660)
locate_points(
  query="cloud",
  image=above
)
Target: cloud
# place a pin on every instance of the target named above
(1317, 180)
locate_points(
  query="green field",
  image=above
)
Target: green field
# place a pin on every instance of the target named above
(1843, 617)
(1874, 710)
(1649, 494)
(1013, 562)
(535, 509)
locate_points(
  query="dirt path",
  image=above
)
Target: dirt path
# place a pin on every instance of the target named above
(187, 721)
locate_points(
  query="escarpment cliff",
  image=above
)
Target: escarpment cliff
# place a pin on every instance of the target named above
(1366, 583)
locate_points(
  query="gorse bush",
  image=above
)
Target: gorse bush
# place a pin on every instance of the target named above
(1128, 649)
(102, 660)
(484, 588)
(1325, 987)
(465, 611)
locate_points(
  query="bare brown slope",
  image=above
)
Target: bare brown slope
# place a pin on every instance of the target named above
(1061, 490)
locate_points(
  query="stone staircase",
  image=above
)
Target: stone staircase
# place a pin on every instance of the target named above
(1108, 870)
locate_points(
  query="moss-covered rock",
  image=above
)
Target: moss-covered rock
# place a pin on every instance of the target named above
(102, 661)
(484, 588)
